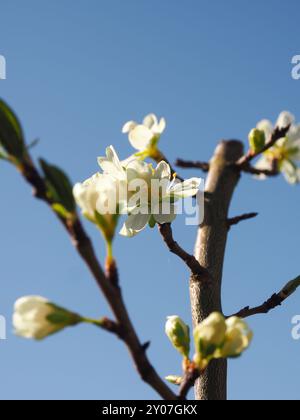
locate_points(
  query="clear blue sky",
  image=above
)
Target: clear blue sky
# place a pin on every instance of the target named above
(75, 72)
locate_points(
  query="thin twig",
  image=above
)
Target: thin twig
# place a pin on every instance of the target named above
(195, 267)
(236, 220)
(189, 164)
(111, 327)
(111, 291)
(265, 172)
(273, 302)
(277, 134)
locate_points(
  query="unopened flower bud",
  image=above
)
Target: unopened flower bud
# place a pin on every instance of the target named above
(290, 288)
(238, 338)
(179, 334)
(173, 379)
(210, 335)
(35, 317)
(257, 140)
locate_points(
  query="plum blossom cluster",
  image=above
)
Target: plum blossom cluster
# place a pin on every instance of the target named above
(214, 338)
(133, 187)
(286, 152)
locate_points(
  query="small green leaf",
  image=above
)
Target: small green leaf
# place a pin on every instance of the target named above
(11, 134)
(59, 186)
(152, 222)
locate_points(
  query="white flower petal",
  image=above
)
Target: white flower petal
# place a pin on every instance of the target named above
(263, 164)
(162, 171)
(111, 164)
(161, 126)
(140, 137)
(130, 125)
(290, 172)
(138, 169)
(127, 161)
(150, 121)
(267, 127)
(128, 233)
(285, 119)
(137, 222)
(185, 189)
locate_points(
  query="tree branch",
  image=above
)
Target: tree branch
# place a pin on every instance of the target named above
(238, 219)
(273, 302)
(278, 133)
(188, 382)
(110, 289)
(210, 251)
(189, 164)
(110, 326)
(197, 270)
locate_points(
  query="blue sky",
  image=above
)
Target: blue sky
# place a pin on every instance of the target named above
(76, 71)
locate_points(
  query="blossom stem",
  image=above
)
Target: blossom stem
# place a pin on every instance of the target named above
(105, 324)
(109, 249)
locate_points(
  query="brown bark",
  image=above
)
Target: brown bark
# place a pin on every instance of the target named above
(210, 247)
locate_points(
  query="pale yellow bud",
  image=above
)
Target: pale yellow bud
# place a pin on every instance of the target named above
(238, 338)
(210, 334)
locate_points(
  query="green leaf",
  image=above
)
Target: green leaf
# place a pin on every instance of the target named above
(152, 222)
(11, 134)
(59, 186)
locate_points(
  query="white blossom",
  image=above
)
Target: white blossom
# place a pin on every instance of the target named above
(133, 188)
(286, 151)
(144, 136)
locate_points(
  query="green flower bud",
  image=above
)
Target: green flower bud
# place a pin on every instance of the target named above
(179, 334)
(257, 140)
